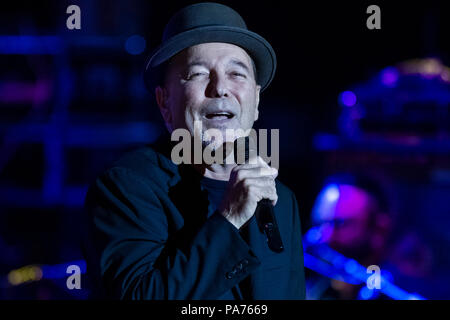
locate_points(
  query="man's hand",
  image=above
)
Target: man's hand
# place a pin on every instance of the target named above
(248, 184)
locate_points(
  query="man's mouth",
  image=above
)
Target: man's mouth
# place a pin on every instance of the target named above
(220, 115)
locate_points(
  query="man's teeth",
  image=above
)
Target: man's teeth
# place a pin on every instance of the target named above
(219, 114)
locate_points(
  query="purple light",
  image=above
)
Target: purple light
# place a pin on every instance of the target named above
(389, 76)
(347, 98)
(18, 92)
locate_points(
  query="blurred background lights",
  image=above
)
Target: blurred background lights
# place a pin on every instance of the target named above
(389, 76)
(427, 68)
(351, 266)
(314, 235)
(25, 274)
(332, 193)
(31, 273)
(366, 293)
(432, 67)
(347, 98)
(135, 44)
(325, 204)
(445, 75)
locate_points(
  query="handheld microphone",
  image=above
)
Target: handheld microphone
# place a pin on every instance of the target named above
(264, 213)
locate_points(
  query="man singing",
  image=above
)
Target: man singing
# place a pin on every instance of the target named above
(158, 230)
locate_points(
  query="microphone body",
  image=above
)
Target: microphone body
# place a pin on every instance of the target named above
(264, 213)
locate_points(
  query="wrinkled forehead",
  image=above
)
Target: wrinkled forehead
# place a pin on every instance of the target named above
(211, 53)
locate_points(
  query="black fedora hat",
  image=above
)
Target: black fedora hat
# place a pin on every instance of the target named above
(210, 22)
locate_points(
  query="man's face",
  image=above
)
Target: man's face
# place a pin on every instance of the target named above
(213, 83)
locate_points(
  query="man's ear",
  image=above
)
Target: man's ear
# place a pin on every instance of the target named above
(162, 101)
(258, 89)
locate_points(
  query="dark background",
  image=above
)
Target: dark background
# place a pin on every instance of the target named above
(72, 104)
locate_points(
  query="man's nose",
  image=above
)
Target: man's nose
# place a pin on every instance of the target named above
(217, 87)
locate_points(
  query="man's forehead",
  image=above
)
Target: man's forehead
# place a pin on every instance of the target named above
(212, 52)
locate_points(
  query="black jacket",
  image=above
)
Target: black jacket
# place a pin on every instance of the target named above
(149, 238)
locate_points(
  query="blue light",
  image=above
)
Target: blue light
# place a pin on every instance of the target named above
(324, 141)
(313, 235)
(332, 193)
(30, 45)
(347, 98)
(135, 45)
(351, 266)
(389, 76)
(58, 271)
(332, 264)
(365, 293)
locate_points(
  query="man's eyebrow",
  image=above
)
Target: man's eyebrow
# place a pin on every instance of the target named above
(196, 63)
(240, 64)
(202, 63)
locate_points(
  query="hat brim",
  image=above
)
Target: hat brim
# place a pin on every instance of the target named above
(257, 47)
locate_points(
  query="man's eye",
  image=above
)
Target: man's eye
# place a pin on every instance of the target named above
(238, 74)
(194, 75)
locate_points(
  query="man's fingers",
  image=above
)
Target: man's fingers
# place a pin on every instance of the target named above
(265, 182)
(253, 171)
(262, 188)
(266, 193)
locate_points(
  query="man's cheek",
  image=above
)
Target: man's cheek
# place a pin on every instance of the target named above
(193, 92)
